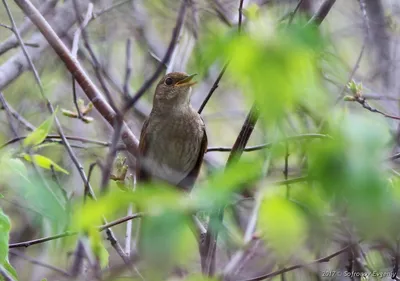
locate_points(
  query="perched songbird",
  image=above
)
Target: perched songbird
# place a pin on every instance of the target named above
(173, 139)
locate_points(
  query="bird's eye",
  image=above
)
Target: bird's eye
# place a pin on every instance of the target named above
(168, 81)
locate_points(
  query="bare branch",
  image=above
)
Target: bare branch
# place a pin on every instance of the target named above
(75, 68)
(287, 269)
(72, 233)
(321, 14)
(267, 145)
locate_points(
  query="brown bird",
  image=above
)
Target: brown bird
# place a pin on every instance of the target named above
(173, 140)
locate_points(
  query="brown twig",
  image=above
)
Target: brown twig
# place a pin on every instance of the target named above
(363, 102)
(292, 14)
(287, 269)
(268, 145)
(74, 51)
(208, 250)
(52, 137)
(40, 263)
(111, 7)
(81, 77)
(9, 115)
(213, 88)
(128, 69)
(12, 41)
(72, 233)
(95, 62)
(322, 12)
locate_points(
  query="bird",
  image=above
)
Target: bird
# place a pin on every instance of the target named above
(172, 144)
(173, 139)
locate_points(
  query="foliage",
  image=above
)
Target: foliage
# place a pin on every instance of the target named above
(312, 196)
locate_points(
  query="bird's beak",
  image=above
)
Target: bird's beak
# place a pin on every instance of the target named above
(187, 81)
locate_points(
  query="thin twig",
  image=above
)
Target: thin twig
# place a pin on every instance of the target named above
(128, 232)
(268, 145)
(213, 88)
(42, 264)
(208, 250)
(248, 236)
(15, 114)
(74, 51)
(128, 68)
(95, 62)
(9, 115)
(113, 6)
(292, 14)
(322, 12)
(6, 26)
(12, 41)
(287, 269)
(363, 102)
(81, 77)
(72, 233)
(52, 137)
(240, 10)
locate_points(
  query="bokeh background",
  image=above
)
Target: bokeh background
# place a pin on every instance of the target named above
(321, 80)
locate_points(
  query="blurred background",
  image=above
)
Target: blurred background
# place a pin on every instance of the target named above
(320, 80)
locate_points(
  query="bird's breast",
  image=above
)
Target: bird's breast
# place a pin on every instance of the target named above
(174, 148)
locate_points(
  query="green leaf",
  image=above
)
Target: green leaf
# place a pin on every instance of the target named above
(12, 168)
(41, 132)
(282, 225)
(4, 231)
(43, 162)
(4, 239)
(10, 270)
(176, 244)
(96, 244)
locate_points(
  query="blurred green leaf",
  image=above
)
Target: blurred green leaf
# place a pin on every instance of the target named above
(277, 68)
(217, 190)
(43, 162)
(4, 232)
(151, 199)
(43, 197)
(282, 225)
(39, 135)
(5, 227)
(12, 168)
(348, 169)
(97, 246)
(166, 239)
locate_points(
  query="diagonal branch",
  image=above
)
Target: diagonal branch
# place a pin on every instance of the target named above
(76, 69)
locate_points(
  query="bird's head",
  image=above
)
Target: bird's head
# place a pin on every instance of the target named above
(174, 89)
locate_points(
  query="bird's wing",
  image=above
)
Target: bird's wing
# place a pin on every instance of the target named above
(141, 174)
(188, 182)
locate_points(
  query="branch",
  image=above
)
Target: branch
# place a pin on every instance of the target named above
(52, 137)
(72, 233)
(213, 88)
(12, 41)
(283, 270)
(268, 145)
(76, 69)
(34, 261)
(321, 14)
(208, 250)
(363, 102)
